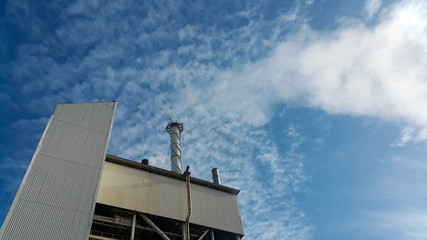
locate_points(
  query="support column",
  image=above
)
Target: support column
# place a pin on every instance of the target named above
(212, 235)
(183, 231)
(132, 236)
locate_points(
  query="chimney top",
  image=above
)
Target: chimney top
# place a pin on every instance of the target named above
(172, 123)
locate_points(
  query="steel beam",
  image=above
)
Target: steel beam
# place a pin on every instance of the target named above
(204, 234)
(120, 226)
(154, 226)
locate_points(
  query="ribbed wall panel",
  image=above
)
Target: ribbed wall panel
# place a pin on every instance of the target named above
(151, 193)
(56, 198)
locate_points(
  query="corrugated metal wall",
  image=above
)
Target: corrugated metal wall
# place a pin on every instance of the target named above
(151, 193)
(56, 198)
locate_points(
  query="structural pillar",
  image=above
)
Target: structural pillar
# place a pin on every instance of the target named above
(212, 235)
(132, 236)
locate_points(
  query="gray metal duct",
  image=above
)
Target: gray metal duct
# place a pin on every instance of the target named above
(215, 176)
(175, 128)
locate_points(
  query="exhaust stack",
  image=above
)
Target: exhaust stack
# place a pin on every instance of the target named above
(145, 161)
(175, 128)
(215, 176)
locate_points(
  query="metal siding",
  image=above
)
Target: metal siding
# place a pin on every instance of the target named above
(57, 195)
(151, 193)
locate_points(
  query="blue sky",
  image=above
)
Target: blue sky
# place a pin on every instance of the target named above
(314, 109)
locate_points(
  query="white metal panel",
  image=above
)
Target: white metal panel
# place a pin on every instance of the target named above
(57, 195)
(146, 192)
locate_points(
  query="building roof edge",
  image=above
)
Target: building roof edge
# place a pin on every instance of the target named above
(167, 173)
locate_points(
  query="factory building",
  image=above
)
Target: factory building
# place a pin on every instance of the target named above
(73, 190)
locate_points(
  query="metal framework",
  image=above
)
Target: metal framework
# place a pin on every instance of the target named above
(113, 223)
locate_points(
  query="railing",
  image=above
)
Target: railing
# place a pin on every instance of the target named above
(106, 236)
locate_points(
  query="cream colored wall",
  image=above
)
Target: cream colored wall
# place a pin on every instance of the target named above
(151, 193)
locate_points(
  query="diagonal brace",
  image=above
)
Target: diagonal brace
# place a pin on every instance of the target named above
(204, 234)
(157, 229)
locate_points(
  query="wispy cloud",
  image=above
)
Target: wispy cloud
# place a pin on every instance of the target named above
(399, 199)
(371, 7)
(404, 224)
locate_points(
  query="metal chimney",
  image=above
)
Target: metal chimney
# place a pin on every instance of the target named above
(215, 176)
(145, 161)
(174, 128)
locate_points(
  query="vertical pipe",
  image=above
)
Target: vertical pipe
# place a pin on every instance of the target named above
(212, 235)
(215, 176)
(132, 236)
(187, 220)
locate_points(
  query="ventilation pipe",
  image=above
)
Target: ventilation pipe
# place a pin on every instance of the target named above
(145, 162)
(175, 128)
(215, 176)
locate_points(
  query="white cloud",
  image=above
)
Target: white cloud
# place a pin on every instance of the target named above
(411, 134)
(374, 71)
(371, 7)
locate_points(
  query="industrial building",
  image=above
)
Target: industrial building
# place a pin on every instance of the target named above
(73, 190)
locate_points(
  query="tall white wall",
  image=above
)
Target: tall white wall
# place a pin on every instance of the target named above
(56, 198)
